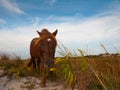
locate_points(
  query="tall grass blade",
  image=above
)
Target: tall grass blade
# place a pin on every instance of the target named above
(105, 88)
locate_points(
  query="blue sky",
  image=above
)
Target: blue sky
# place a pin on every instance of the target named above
(81, 24)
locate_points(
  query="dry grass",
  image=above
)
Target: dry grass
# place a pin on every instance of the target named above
(106, 73)
(85, 73)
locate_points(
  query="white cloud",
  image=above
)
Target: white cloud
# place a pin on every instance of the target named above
(2, 21)
(90, 30)
(53, 1)
(11, 6)
(17, 40)
(36, 21)
(50, 2)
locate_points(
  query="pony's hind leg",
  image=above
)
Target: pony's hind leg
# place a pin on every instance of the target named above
(38, 64)
(32, 62)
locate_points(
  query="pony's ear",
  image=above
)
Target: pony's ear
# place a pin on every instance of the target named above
(39, 33)
(55, 32)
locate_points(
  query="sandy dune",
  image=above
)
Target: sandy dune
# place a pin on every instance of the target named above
(27, 83)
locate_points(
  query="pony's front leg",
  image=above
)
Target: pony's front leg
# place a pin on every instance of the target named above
(43, 77)
(51, 76)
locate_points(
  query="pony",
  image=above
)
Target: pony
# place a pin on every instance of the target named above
(42, 51)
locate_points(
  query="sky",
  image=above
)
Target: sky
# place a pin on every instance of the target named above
(81, 24)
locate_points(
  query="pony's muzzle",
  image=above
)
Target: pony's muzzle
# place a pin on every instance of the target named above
(49, 63)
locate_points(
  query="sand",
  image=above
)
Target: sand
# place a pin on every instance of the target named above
(27, 83)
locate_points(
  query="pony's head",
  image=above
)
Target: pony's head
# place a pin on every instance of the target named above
(47, 45)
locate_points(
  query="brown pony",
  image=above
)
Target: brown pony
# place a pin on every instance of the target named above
(43, 49)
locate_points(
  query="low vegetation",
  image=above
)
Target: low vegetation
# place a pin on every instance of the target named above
(75, 71)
